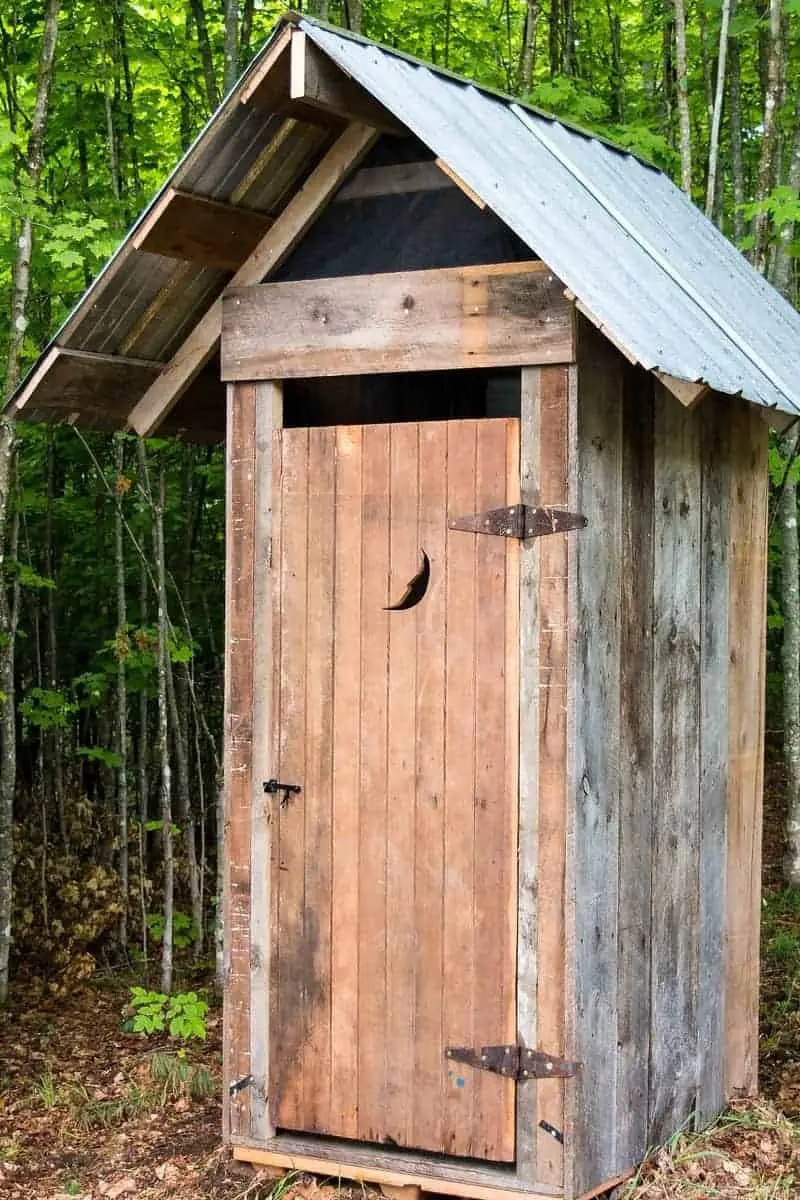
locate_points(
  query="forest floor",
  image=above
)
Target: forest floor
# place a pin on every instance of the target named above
(89, 1111)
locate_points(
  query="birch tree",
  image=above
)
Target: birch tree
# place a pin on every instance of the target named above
(716, 115)
(682, 82)
(19, 302)
(769, 135)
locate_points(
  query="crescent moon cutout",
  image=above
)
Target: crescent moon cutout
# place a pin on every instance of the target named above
(416, 589)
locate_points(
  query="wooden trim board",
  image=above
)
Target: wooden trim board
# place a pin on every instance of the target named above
(459, 317)
(316, 80)
(383, 1172)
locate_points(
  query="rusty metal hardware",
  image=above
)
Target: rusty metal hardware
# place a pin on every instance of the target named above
(272, 787)
(238, 1085)
(515, 1062)
(519, 521)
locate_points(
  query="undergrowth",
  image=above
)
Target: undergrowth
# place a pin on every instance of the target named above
(780, 974)
(170, 1077)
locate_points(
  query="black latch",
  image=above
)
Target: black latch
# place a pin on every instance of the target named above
(273, 786)
(519, 521)
(515, 1062)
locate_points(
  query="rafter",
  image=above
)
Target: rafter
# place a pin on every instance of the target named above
(273, 248)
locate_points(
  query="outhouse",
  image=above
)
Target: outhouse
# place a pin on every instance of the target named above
(498, 400)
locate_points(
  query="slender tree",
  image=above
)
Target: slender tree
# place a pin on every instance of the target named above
(121, 485)
(769, 137)
(682, 84)
(716, 116)
(19, 301)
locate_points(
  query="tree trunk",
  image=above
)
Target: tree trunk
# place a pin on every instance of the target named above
(206, 57)
(231, 68)
(122, 694)
(354, 10)
(144, 716)
(19, 302)
(185, 815)
(682, 81)
(737, 158)
(790, 659)
(56, 736)
(769, 137)
(246, 34)
(528, 46)
(716, 116)
(163, 735)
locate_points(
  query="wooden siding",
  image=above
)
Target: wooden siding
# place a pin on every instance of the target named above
(240, 522)
(394, 931)
(747, 519)
(499, 315)
(667, 697)
(544, 645)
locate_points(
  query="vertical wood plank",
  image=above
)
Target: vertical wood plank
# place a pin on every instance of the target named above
(553, 629)
(373, 738)
(746, 637)
(598, 554)
(293, 991)
(405, 561)
(318, 776)
(527, 1131)
(346, 789)
(239, 543)
(459, 920)
(429, 1047)
(493, 804)
(636, 767)
(716, 450)
(676, 765)
(268, 418)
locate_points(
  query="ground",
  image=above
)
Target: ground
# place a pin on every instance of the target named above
(87, 1110)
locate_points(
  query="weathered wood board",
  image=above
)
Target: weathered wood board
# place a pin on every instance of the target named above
(501, 315)
(394, 932)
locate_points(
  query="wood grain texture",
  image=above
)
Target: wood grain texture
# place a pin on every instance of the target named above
(394, 925)
(404, 321)
(676, 766)
(527, 958)
(395, 1168)
(197, 229)
(714, 653)
(294, 987)
(317, 81)
(747, 519)
(430, 811)
(634, 900)
(346, 929)
(268, 418)
(273, 248)
(240, 524)
(554, 637)
(596, 782)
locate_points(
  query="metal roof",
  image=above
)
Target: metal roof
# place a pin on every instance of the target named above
(647, 266)
(643, 263)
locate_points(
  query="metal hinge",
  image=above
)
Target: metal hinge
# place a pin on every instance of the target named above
(515, 1062)
(519, 521)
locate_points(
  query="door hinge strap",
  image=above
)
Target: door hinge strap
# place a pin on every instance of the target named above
(519, 521)
(515, 1062)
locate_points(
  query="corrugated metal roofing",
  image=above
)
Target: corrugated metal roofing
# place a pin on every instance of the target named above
(648, 267)
(644, 263)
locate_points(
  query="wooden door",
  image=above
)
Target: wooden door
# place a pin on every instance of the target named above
(394, 919)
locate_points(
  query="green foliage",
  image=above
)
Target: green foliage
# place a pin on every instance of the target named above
(182, 1015)
(183, 931)
(46, 708)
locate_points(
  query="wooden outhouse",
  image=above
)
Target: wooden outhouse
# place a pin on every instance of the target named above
(498, 401)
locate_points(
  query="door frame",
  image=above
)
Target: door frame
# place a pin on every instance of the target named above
(545, 911)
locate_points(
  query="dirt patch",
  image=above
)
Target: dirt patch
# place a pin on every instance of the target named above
(88, 1111)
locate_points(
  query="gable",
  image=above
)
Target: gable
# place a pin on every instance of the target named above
(270, 190)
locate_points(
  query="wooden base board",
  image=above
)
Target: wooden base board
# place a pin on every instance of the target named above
(383, 1176)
